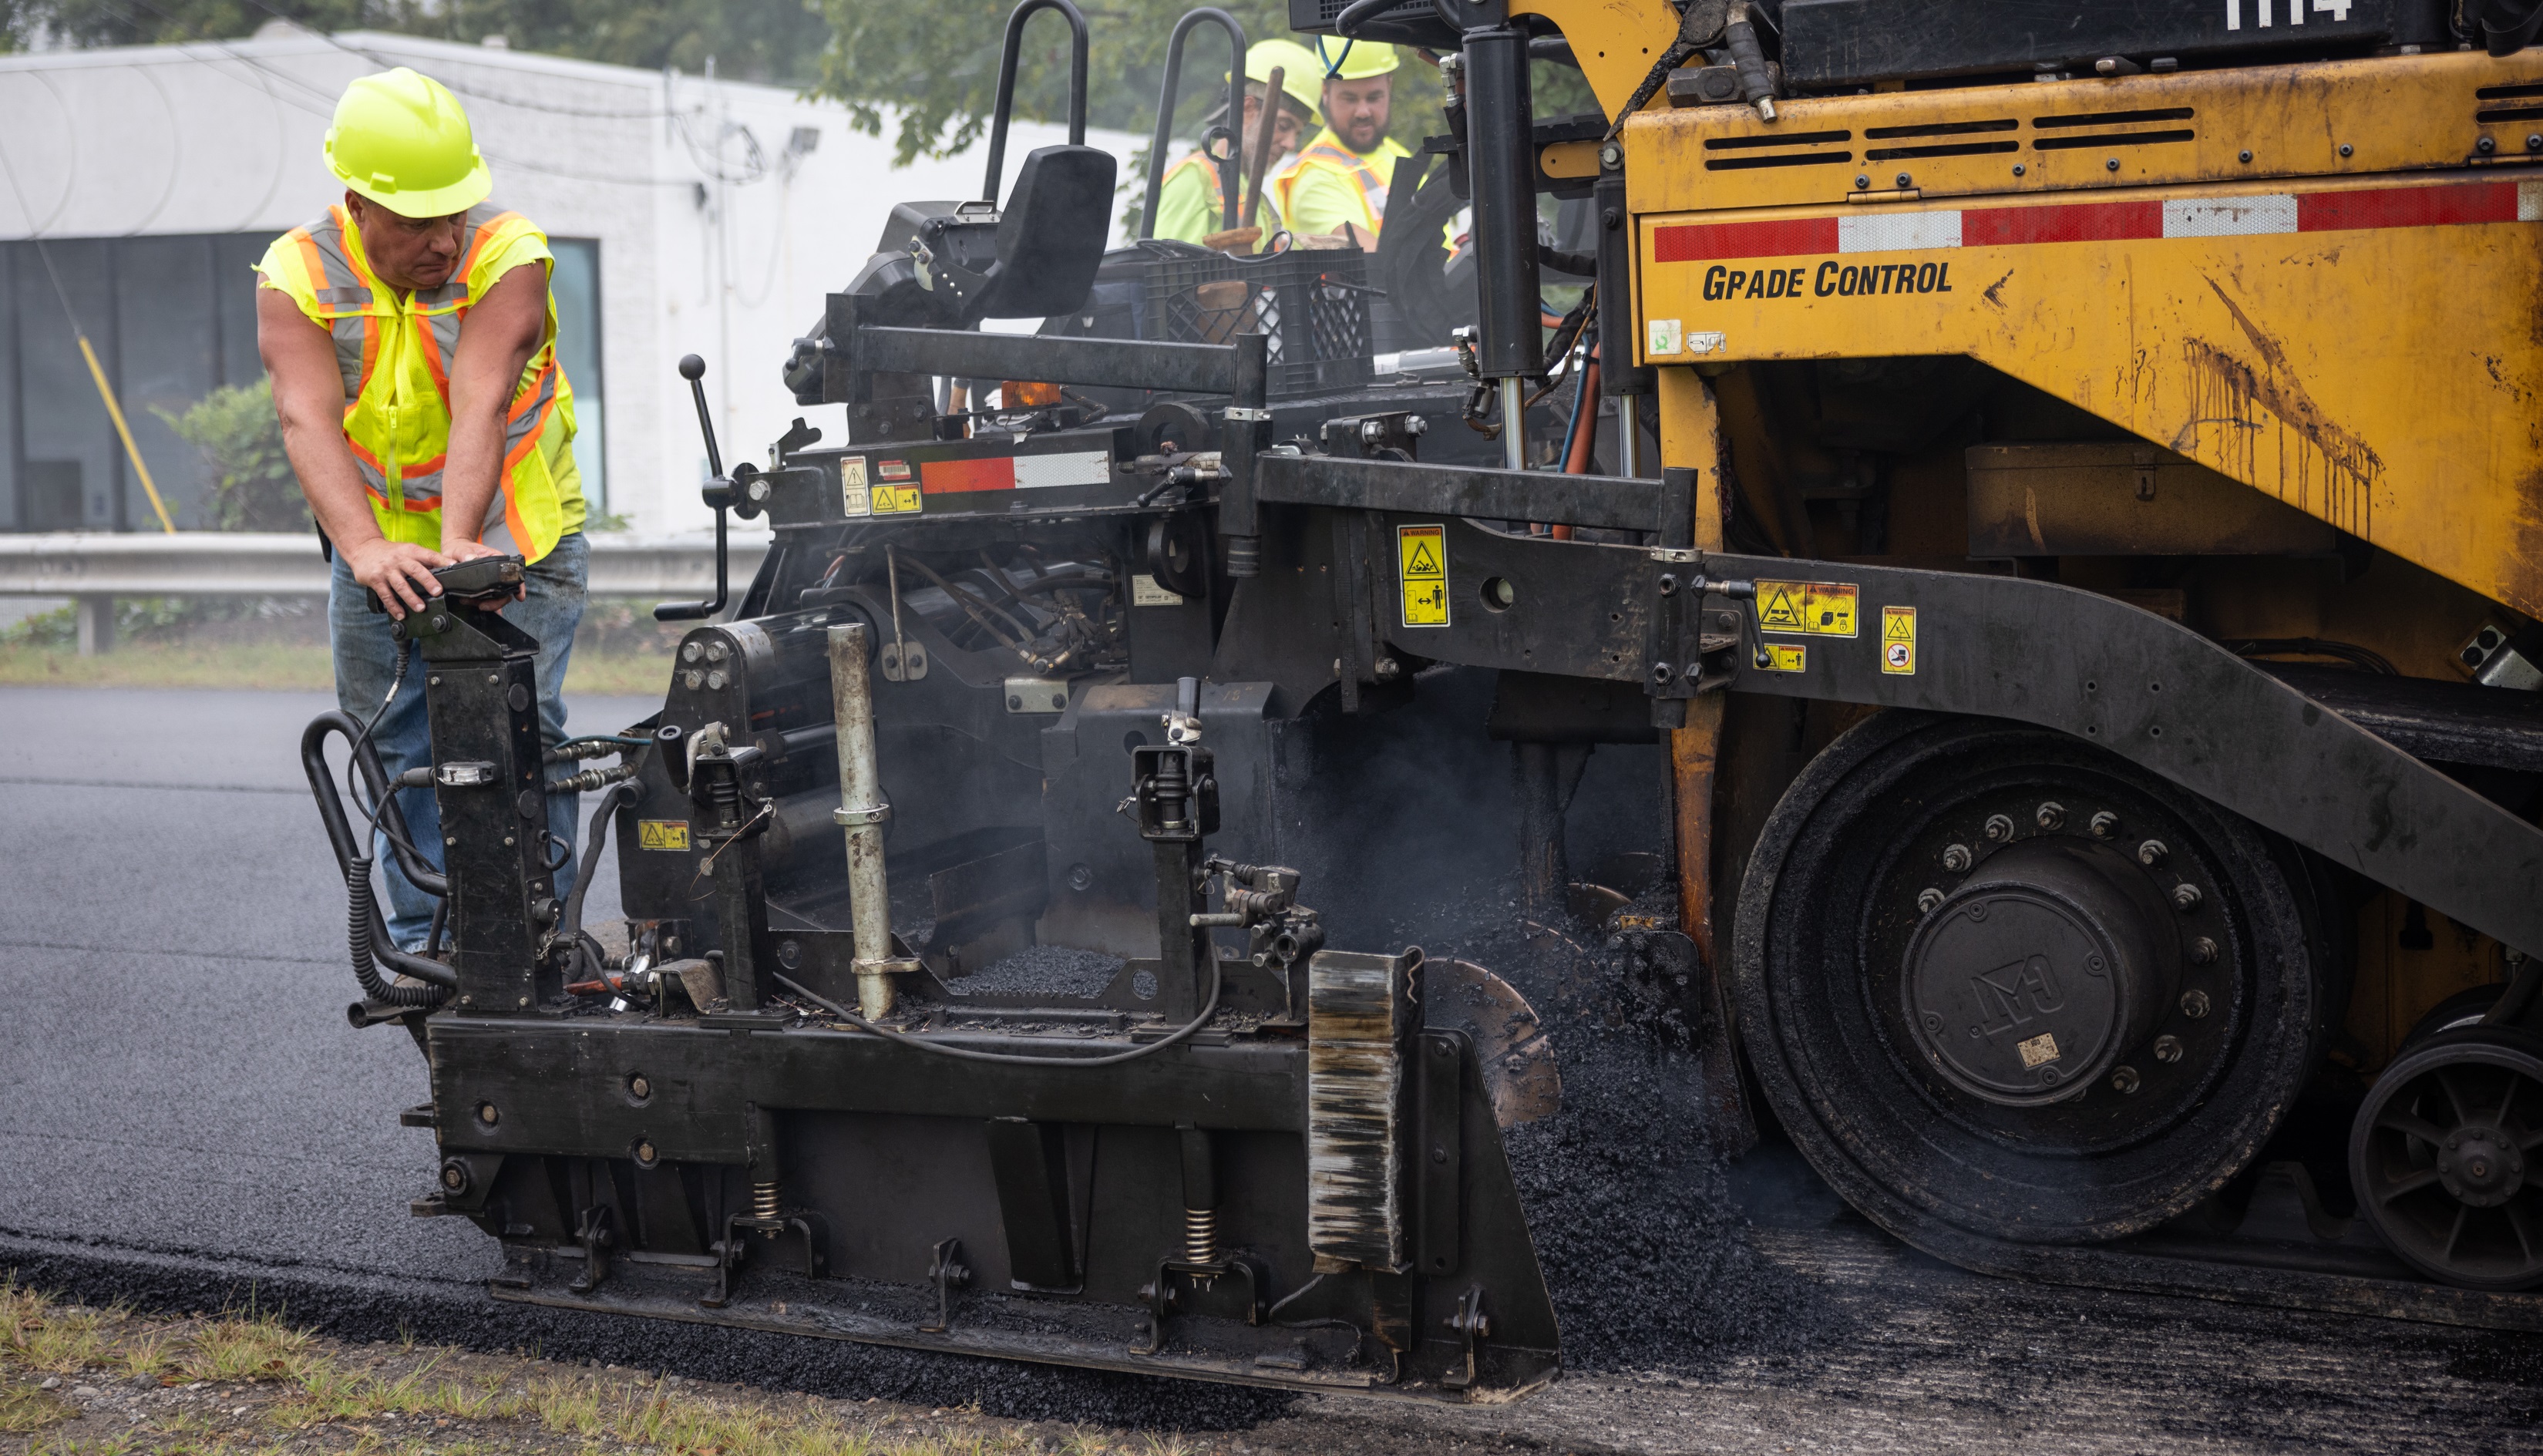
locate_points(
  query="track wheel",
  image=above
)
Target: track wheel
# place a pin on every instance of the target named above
(1996, 982)
(2443, 1155)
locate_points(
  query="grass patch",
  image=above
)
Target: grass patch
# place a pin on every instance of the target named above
(255, 1347)
(243, 1381)
(24, 1409)
(46, 1337)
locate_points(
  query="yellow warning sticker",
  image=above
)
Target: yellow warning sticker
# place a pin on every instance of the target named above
(1898, 641)
(670, 834)
(854, 498)
(1787, 656)
(1421, 558)
(896, 500)
(1815, 608)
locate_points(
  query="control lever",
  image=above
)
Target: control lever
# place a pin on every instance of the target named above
(487, 583)
(717, 493)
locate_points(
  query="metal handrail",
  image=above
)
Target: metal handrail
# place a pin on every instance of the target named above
(287, 563)
(1157, 159)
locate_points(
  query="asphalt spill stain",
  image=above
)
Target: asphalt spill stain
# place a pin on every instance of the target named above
(2322, 467)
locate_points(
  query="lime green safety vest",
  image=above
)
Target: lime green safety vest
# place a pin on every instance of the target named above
(1327, 154)
(395, 353)
(1188, 212)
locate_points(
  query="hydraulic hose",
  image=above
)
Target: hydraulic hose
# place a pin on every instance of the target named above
(350, 851)
(362, 911)
(331, 802)
(570, 925)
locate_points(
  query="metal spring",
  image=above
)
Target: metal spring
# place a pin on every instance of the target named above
(1200, 1235)
(763, 1200)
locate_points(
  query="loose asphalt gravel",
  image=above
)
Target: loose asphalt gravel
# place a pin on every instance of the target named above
(186, 1119)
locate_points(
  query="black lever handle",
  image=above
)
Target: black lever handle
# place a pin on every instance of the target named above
(717, 493)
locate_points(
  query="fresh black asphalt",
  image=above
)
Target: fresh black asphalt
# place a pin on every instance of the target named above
(186, 1121)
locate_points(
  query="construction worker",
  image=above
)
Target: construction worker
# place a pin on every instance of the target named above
(412, 344)
(1189, 203)
(1338, 184)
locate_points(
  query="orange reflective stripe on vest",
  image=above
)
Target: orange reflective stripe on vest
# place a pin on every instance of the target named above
(1352, 165)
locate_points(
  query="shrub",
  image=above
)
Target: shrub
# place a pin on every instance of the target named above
(252, 487)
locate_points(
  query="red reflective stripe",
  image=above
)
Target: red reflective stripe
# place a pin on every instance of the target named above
(2407, 206)
(955, 477)
(1696, 242)
(2443, 205)
(2078, 222)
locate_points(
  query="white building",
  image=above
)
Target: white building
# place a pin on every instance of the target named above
(689, 216)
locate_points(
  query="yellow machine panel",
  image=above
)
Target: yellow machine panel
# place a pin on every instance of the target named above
(2333, 341)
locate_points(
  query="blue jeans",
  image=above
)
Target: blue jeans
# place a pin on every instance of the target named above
(365, 663)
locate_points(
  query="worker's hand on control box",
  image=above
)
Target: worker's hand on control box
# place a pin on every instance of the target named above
(459, 549)
(398, 573)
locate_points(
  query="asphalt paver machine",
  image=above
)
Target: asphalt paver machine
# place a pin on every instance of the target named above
(2059, 483)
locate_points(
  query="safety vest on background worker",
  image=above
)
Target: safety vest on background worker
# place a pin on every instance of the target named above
(1189, 203)
(395, 355)
(1358, 199)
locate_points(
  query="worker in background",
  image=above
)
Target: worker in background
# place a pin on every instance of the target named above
(1338, 184)
(412, 344)
(1190, 203)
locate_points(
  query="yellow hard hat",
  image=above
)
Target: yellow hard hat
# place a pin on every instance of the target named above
(401, 140)
(1354, 60)
(1302, 75)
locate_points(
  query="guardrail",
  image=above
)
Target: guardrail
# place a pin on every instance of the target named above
(92, 568)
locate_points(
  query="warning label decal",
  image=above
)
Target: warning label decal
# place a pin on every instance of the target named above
(854, 497)
(1898, 641)
(896, 500)
(1421, 558)
(1787, 656)
(1813, 609)
(670, 834)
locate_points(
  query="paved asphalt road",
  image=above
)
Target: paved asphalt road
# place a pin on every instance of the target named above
(185, 1117)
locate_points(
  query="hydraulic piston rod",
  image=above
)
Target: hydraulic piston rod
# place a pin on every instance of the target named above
(861, 812)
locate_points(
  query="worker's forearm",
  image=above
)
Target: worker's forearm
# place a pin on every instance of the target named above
(331, 481)
(472, 471)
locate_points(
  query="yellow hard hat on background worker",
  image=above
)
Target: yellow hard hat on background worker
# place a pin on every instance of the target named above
(1302, 77)
(400, 139)
(1352, 60)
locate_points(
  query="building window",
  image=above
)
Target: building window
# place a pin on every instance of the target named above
(575, 286)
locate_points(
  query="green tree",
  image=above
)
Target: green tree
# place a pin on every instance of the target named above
(252, 487)
(937, 65)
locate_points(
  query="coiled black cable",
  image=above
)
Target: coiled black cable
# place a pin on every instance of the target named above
(361, 910)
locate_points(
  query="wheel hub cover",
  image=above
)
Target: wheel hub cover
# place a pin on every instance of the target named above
(2035, 975)
(2481, 1165)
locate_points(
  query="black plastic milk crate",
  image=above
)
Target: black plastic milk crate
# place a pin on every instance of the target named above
(1314, 303)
